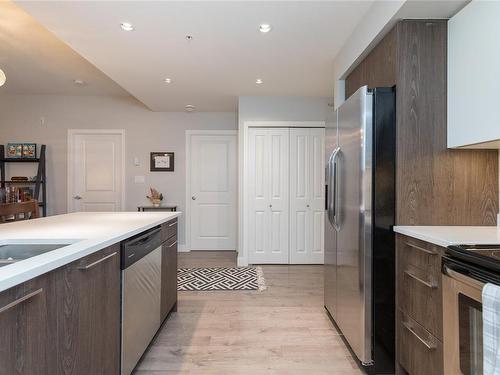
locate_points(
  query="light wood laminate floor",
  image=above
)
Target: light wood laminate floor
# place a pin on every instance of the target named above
(283, 330)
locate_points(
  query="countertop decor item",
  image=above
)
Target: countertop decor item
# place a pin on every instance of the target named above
(155, 197)
(162, 162)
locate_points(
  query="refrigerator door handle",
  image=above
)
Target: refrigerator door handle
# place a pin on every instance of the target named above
(332, 188)
(336, 200)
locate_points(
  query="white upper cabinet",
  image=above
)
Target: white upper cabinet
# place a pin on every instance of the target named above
(474, 76)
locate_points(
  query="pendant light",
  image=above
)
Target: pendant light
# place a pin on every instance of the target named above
(3, 78)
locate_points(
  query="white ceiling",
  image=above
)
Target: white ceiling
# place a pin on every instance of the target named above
(37, 62)
(224, 58)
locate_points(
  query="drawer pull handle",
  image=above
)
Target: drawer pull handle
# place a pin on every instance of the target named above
(19, 300)
(173, 243)
(429, 346)
(428, 252)
(427, 284)
(88, 266)
(172, 224)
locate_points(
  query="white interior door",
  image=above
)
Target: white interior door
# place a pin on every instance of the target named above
(95, 171)
(307, 195)
(268, 203)
(213, 207)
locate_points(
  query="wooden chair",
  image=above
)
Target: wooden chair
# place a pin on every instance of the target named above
(19, 211)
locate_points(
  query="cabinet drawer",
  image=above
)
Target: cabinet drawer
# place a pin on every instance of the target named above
(419, 352)
(168, 229)
(419, 291)
(419, 253)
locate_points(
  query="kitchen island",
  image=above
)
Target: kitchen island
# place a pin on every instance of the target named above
(62, 300)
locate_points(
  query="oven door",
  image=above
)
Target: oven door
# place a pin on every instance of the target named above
(463, 322)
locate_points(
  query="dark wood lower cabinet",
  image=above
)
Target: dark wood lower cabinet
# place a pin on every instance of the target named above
(26, 332)
(169, 276)
(88, 293)
(419, 318)
(64, 322)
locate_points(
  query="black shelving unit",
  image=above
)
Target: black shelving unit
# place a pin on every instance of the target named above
(39, 182)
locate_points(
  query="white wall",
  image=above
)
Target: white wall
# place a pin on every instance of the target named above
(146, 131)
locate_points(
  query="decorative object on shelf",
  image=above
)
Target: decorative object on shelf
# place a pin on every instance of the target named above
(162, 162)
(29, 150)
(19, 178)
(155, 197)
(37, 185)
(14, 150)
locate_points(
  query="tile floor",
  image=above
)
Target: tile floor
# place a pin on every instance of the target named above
(283, 330)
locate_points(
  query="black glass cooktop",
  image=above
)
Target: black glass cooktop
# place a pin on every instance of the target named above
(487, 256)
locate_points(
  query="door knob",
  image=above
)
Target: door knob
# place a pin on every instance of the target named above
(270, 206)
(77, 197)
(307, 206)
(193, 198)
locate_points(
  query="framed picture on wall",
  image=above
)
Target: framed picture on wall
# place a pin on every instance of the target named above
(162, 162)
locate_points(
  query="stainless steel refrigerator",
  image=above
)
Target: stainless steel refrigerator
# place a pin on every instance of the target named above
(360, 214)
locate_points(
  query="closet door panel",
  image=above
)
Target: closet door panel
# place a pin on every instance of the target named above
(268, 195)
(279, 194)
(306, 195)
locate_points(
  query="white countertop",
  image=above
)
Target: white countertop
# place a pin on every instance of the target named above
(87, 232)
(452, 235)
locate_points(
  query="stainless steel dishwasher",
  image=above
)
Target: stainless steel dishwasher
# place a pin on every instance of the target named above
(141, 294)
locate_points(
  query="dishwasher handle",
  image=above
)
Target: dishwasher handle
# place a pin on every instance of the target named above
(139, 246)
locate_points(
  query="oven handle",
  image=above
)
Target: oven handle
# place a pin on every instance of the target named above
(462, 278)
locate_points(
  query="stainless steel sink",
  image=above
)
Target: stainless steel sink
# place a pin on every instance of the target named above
(12, 253)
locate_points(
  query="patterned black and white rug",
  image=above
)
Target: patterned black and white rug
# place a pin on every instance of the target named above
(220, 278)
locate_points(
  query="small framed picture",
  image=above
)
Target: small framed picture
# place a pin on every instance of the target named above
(162, 162)
(14, 150)
(29, 150)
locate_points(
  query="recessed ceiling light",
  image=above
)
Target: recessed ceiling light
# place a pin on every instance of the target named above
(167, 80)
(80, 82)
(259, 81)
(3, 78)
(189, 37)
(127, 26)
(190, 108)
(264, 28)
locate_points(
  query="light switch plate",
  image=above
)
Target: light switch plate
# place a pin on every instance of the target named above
(139, 179)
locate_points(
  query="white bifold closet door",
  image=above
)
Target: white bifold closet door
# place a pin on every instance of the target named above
(285, 173)
(307, 192)
(268, 200)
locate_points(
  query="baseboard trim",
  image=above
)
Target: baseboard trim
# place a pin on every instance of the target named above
(242, 262)
(182, 248)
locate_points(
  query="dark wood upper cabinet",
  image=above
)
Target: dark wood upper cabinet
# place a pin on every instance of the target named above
(434, 185)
